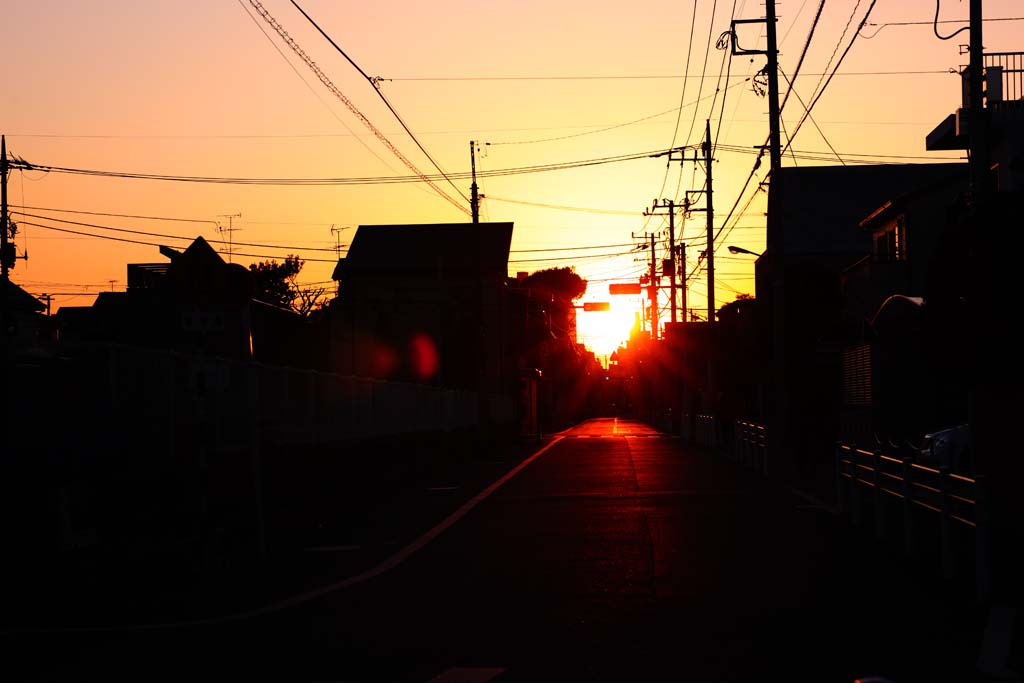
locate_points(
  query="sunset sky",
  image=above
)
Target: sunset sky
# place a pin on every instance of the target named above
(209, 89)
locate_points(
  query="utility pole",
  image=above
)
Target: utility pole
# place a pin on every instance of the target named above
(670, 207)
(337, 254)
(682, 278)
(652, 289)
(654, 292)
(230, 229)
(772, 69)
(774, 144)
(710, 194)
(978, 134)
(3, 207)
(474, 199)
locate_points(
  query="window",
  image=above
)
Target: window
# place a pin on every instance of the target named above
(890, 241)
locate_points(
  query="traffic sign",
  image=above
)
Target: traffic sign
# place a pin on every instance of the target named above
(624, 288)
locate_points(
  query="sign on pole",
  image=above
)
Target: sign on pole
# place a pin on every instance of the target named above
(624, 288)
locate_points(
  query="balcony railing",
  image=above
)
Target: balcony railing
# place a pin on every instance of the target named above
(1012, 66)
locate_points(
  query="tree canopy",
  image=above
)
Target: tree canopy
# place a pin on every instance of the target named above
(563, 282)
(277, 284)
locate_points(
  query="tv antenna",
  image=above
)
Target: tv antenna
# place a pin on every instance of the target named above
(230, 229)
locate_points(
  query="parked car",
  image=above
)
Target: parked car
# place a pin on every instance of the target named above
(950, 447)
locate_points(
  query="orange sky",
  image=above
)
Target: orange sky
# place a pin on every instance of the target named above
(197, 89)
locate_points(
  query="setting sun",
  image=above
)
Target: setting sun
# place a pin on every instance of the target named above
(604, 331)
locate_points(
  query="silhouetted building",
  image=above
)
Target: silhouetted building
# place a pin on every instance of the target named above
(813, 236)
(195, 303)
(424, 303)
(22, 321)
(903, 363)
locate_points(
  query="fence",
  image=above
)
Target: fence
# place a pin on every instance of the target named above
(1011, 65)
(183, 441)
(869, 482)
(707, 431)
(750, 445)
(157, 391)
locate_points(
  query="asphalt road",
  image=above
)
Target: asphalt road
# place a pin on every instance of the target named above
(614, 553)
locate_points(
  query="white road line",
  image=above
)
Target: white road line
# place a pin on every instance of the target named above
(387, 565)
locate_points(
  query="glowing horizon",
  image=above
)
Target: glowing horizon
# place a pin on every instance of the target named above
(149, 88)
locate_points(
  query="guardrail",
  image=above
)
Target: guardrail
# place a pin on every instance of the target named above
(955, 502)
(750, 445)
(707, 430)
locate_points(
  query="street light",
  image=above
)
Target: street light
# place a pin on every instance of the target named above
(741, 250)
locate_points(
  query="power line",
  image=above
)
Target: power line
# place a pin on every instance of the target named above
(596, 246)
(614, 126)
(572, 258)
(791, 89)
(839, 44)
(150, 244)
(176, 237)
(376, 88)
(857, 157)
(309, 87)
(640, 76)
(821, 90)
(178, 218)
(561, 207)
(123, 215)
(930, 23)
(348, 103)
(803, 54)
(370, 180)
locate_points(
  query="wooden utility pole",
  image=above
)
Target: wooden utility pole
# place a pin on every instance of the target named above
(710, 195)
(772, 71)
(3, 207)
(653, 295)
(682, 278)
(652, 289)
(977, 134)
(670, 209)
(708, 192)
(774, 144)
(474, 199)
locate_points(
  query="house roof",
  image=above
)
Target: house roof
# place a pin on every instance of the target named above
(817, 209)
(17, 299)
(468, 249)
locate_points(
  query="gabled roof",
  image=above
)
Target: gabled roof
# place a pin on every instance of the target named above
(444, 249)
(817, 209)
(17, 299)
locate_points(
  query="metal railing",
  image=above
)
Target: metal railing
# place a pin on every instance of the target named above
(750, 445)
(956, 503)
(1012, 66)
(707, 431)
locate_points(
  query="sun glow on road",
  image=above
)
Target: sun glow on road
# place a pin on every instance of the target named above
(604, 331)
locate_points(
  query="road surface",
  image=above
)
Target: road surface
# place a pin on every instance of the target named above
(615, 553)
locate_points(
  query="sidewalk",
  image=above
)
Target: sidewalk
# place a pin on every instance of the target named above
(937, 626)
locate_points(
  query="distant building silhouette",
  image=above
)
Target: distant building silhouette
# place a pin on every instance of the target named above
(425, 303)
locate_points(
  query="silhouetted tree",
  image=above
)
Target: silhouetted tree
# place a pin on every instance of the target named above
(563, 282)
(277, 284)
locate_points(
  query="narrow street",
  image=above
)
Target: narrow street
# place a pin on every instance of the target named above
(616, 554)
